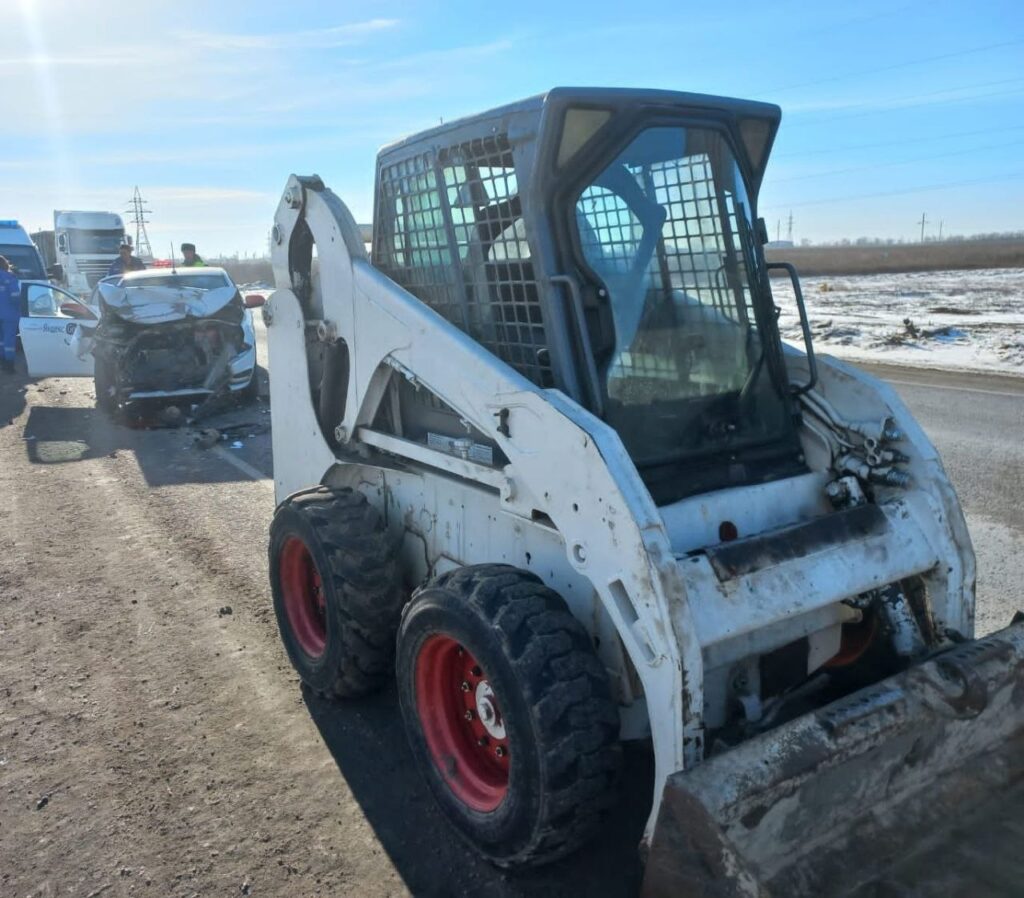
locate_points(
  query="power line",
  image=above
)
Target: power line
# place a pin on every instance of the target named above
(899, 104)
(857, 168)
(895, 143)
(922, 189)
(894, 102)
(899, 65)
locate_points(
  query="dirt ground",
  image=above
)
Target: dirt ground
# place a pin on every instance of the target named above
(154, 739)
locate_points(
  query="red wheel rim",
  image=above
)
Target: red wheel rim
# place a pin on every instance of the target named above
(304, 601)
(856, 640)
(462, 722)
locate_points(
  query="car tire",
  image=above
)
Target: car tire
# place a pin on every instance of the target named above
(104, 384)
(250, 393)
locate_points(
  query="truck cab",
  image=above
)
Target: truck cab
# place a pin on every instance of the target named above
(86, 243)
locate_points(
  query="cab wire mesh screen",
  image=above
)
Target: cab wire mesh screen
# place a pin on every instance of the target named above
(450, 231)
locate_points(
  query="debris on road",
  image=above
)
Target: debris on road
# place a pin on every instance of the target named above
(171, 416)
(225, 610)
(207, 438)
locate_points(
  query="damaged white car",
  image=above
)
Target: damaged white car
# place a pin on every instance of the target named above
(159, 334)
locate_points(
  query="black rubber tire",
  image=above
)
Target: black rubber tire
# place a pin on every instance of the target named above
(359, 570)
(250, 393)
(103, 383)
(562, 725)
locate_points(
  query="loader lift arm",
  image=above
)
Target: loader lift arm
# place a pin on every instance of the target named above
(393, 334)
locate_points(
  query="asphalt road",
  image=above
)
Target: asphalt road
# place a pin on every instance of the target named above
(977, 423)
(195, 763)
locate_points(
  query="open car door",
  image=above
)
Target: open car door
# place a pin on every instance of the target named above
(55, 329)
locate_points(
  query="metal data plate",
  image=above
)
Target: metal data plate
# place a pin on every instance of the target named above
(461, 447)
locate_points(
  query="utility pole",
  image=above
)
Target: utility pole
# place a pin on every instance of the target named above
(923, 222)
(778, 229)
(138, 212)
(789, 228)
(940, 230)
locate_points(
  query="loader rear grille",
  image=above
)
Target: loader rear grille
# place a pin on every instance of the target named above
(450, 230)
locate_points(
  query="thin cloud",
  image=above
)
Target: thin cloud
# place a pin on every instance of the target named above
(312, 39)
(204, 194)
(455, 54)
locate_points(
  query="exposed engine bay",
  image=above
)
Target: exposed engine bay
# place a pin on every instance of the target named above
(161, 340)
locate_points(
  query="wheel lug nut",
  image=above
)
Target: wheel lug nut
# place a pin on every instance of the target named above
(475, 670)
(469, 714)
(483, 740)
(501, 751)
(465, 686)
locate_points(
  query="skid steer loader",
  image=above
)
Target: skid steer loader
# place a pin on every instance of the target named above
(554, 406)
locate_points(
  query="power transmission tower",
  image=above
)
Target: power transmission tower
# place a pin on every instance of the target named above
(138, 212)
(789, 228)
(923, 222)
(940, 230)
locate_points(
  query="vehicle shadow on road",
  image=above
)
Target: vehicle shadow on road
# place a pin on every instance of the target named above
(62, 434)
(369, 746)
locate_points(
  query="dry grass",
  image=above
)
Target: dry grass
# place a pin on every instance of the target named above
(831, 260)
(810, 260)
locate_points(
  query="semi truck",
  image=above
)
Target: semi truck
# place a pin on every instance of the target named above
(81, 246)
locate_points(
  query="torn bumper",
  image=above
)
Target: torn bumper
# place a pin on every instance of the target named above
(868, 790)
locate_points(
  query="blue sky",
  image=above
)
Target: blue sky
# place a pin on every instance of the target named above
(890, 109)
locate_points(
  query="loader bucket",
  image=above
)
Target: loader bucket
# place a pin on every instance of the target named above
(914, 786)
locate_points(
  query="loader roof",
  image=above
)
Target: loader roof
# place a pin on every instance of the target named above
(616, 96)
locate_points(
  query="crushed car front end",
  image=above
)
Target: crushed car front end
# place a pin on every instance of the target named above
(159, 340)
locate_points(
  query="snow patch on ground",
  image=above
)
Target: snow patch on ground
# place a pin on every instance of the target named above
(934, 319)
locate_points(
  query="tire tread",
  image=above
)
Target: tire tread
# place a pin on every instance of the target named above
(567, 690)
(366, 578)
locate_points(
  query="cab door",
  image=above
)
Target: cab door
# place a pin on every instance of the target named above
(56, 332)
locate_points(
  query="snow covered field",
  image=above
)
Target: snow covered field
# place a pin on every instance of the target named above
(965, 320)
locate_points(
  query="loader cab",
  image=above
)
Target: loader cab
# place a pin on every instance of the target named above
(606, 243)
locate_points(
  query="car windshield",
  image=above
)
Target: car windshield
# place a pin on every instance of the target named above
(195, 281)
(93, 242)
(666, 229)
(25, 261)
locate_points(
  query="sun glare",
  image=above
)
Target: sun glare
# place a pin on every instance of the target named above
(67, 179)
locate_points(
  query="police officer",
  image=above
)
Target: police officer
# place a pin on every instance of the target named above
(192, 259)
(125, 261)
(10, 312)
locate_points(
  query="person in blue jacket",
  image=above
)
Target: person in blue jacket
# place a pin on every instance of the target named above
(125, 261)
(10, 312)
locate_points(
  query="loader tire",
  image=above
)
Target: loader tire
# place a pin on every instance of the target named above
(508, 712)
(337, 591)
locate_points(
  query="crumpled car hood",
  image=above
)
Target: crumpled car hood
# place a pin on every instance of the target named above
(158, 305)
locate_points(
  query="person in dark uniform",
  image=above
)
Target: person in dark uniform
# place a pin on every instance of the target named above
(125, 261)
(10, 312)
(192, 258)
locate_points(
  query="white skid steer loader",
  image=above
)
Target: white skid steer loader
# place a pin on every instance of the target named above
(555, 406)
